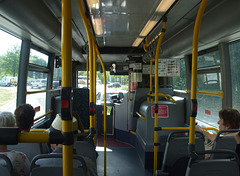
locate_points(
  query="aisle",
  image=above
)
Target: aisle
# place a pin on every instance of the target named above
(122, 159)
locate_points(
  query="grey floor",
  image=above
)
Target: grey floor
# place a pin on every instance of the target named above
(121, 162)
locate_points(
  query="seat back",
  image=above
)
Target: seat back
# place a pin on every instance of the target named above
(81, 105)
(46, 164)
(86, 149)
(214, 167)
(225, 142)
(177, 148)
(5, 165)
(30, 149)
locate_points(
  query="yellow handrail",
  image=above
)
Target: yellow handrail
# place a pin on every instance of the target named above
(105, 112)
(194, 74)
(38, 130)
(90, 43)
(208, 93)
(39, 91)
(33, 137)
(187, 128)
(166, 96)
(156, 95)
(141, 116)
(133, 132)
(49, 112)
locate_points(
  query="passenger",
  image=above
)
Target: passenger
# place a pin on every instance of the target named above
(229, 119)
(24, 115)
(57, 148)
(20, 163)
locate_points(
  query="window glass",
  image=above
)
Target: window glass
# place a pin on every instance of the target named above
(38, 58)
(208, 108)
(57, 77)
(209, 59)
(37, 81)
(180, 82)
(38, 101)
(10, 47)
(234, 51)
(210, 82)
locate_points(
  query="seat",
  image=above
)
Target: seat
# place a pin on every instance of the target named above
(40, 165)
(176, 154)
(30, 149)
(5, 165)
(213, 167)
(224, 142)
(86, 149)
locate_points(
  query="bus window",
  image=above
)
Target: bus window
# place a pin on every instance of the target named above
(37, 81)
(180, 82)
(234, 51)
(209, 80)
(38, 58)
(57, 77)
(9, 63)
(209, 59)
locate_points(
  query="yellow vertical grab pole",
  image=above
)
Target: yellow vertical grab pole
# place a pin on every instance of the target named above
(94, 84)
(156, 95)
(67, 86)
(105, 112)
(87, 70)
(194, 74)
(150, 96)
(86, 22)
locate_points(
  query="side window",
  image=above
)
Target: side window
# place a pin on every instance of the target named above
(37, 81)
(180, 82)
(234, 51)
(209, 81)
(10, 47)
(57, 76)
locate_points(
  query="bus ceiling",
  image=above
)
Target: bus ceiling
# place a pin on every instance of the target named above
(122, 22)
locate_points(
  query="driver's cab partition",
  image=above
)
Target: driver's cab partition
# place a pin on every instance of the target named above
(125, 112)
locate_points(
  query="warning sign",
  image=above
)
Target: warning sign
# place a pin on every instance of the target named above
(162, 111)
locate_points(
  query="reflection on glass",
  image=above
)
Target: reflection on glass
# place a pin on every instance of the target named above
(209, 82)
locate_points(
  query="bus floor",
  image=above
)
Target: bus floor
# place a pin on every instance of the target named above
(122, 159)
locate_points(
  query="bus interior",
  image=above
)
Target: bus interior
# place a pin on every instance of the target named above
(71, 45)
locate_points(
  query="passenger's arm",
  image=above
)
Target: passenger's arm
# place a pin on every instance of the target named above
(210, 136)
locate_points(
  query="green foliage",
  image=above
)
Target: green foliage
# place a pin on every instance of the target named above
(9, 62)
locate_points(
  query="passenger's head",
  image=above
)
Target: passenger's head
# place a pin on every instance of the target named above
(56, 126)
(229, 119)
(24, 115)
(6, 119)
